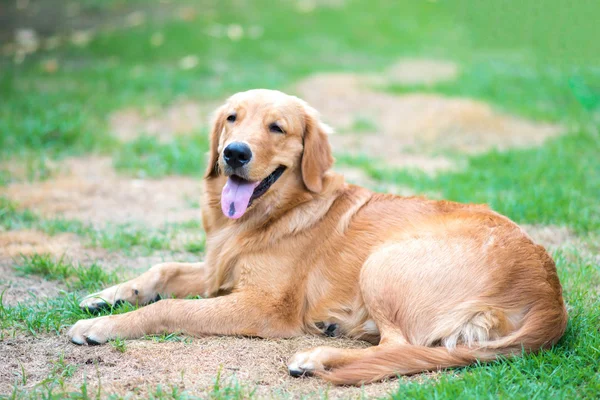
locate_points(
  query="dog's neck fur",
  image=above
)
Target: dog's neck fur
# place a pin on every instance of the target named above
(285, 208)
(303, 210)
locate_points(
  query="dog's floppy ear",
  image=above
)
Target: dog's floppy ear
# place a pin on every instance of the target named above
(218, 121)
(316, 158)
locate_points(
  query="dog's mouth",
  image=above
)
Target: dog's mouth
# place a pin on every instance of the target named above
(238, 193)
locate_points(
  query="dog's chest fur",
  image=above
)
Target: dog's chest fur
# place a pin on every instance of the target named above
(295, 261)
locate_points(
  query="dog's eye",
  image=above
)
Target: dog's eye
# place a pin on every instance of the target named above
(231, 118)
(275, 128)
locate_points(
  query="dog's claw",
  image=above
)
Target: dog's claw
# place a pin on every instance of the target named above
(304, 363)
(92, 342)
(93, 331)
(328, 329)
(332, 330)
(99, 306)
(77, 340)
(298, 373)
(95, 308)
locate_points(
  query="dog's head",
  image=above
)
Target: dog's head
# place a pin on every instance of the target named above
(263, 138)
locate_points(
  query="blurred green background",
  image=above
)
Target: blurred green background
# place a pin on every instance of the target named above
(529, 56)
(66, 66)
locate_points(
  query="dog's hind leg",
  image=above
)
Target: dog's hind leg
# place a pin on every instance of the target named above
(167, 280)
(396, 286)
(318, 359)
(442, 302)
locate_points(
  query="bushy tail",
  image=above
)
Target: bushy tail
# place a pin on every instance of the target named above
(392, 359)
(404, 359)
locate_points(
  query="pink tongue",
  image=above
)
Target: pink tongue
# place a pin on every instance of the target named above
(235, 197)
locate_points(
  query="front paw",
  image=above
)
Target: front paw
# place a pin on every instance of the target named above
(107, 298)
(116, 295)
(305, 363)
(94, 303)
(93, 331)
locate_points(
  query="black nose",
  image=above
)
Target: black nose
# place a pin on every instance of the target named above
(237, 154)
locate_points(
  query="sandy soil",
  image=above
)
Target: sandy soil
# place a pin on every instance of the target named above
(421, 71)
(258, 363)
(178, 119)
(551, 237)
(70, 248)
(89, 190)
(421, 124)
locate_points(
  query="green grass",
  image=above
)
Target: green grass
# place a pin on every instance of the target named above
(119, 344)
(128, 238)
(123, 237)
(53, 315)
(526, 58)
(169, 337)
(554, 184)
(75, 277)
(54, 388)
(363, 124)
(121, 68)
(196, 246)
(49, 315)
(60, 371)
(546, 92)
(569, 370)
(146, 157)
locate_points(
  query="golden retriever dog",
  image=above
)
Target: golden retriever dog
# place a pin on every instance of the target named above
(292, 249)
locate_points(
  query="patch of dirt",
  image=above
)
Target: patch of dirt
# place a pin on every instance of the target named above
(178, 119)
(561, 237)
(71, 248)
(28, 242)
(28, 170)
(18, 289)
(357, 176)
(145, 364)
(551, 237)
(89, 190)
(410, 123)
(193, 366)
(421, 71)
(14, 244)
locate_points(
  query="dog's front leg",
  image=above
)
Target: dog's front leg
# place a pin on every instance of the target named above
(242, 313)
(172, 279)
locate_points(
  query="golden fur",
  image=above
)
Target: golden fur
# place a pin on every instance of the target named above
(433, 284)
